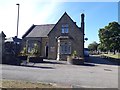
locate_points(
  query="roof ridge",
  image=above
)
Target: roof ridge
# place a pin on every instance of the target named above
(44, 24)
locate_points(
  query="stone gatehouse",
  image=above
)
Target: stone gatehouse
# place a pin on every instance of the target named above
(56, 41)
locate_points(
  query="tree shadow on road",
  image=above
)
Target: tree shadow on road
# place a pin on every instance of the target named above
(42, 67)
(52, 62)
(88, 64)
(99, 60)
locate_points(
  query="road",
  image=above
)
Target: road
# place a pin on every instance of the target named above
(94, 74)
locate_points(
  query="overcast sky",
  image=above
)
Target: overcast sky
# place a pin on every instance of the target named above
(97, 14)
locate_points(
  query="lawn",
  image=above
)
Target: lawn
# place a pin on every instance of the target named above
(116, 56)
(23, 84)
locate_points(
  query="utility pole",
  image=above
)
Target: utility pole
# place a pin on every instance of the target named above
(18, 18)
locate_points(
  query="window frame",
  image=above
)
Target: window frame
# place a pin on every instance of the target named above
(65, 48)
(65, 29)
(30, 45)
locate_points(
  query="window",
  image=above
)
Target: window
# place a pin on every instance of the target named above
(65, 48)
(65, 28)
(31, 45)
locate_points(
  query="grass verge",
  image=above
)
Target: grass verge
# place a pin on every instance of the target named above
(115, 56)
(23, 84)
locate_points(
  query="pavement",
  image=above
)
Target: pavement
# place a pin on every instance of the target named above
(95, 73)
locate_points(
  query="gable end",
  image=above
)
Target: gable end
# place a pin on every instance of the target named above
(70, 19)
(28, 31)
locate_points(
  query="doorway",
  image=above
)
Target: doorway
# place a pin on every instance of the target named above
(46, 51)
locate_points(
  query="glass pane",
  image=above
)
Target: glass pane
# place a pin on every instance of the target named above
(63, 31)
(66, 30)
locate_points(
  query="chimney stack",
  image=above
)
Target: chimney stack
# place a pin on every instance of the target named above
(82, 23)
(82, 28)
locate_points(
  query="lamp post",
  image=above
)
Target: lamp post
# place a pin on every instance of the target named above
(18, 18)
(17, 30)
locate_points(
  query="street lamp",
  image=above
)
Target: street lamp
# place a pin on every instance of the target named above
(18, 18)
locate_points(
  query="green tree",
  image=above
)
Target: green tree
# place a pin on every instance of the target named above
(93, 46)
(101, 47)
(35, 51)
(110, 36)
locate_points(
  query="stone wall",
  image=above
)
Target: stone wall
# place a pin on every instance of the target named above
(2, 51)
(26, 41)
(43, 42)
(43, 46)
(74, 32)
(0, 48)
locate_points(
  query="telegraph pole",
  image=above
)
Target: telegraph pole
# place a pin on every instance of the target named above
(18, 18)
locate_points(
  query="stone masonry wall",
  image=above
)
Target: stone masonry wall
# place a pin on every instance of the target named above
(74, 31)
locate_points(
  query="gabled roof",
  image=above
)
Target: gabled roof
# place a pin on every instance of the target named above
(69, 18)
(44, 30)
(39, 30)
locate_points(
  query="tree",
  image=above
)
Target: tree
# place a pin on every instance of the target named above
(93, 46)
(110, 37)
(35, 51)
(101, 48)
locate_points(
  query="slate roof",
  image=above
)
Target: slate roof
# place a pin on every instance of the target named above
(44, 30)
(39, 30)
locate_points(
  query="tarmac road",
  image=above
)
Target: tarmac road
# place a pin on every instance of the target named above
(90, 75)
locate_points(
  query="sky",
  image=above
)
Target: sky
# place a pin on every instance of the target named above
(97, 15)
